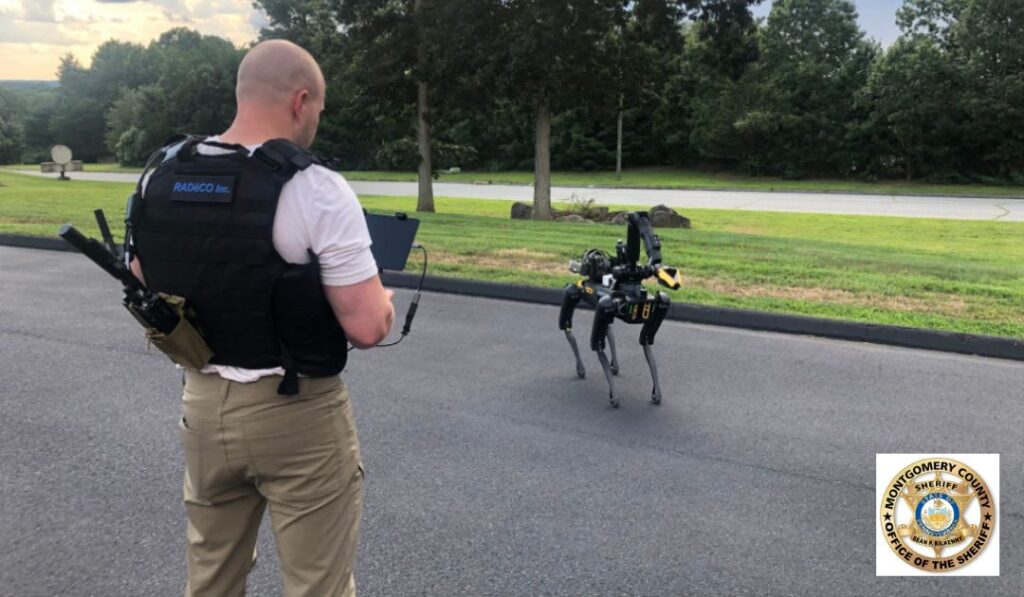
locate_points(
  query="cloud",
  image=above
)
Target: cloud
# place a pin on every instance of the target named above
(38, 10)
(34, 32)
(258, 20)
(36, 45)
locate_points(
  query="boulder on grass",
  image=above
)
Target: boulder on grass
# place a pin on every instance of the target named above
(619, 218)
(522, 211)
(573, 218)
(666, 217)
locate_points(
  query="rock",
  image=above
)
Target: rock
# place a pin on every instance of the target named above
(598, 212)
(619, 219)
(660, 208)
(669, 219)
(522, 211)
(573, 218)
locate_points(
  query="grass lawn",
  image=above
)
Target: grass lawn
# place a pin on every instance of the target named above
(663, 178)
(963, 276)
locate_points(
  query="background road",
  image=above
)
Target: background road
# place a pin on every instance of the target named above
(961, 208)
(492, 469)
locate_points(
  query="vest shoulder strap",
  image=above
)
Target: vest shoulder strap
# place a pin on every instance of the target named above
(285, 156)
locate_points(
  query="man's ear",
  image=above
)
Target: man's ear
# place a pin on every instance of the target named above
(299, 103)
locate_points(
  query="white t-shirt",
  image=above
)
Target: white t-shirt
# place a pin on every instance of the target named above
(317, 210)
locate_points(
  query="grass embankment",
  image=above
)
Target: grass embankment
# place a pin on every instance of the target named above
(963, 276)
(663, 178)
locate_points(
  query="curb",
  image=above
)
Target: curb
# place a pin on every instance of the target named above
(973, 344)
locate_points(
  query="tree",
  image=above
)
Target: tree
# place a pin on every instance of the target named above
(713, 92)
(990, 37)
(39, 108)
(11, 140)
(814, 61)
(197, 76)
(137, 124)
(932, 19)
(915, 122)
(556, 56)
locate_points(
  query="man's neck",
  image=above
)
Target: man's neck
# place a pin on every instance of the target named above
(252, 131)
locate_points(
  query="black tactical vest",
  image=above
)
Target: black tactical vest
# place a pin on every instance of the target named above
(204, 231)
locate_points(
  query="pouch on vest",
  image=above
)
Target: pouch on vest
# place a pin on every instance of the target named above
(184, 345)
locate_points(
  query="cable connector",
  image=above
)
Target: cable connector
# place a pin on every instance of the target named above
(410, 314)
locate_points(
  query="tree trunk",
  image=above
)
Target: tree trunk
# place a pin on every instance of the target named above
(542, 164)
(425, 200)
(618, 144)
(425, 197)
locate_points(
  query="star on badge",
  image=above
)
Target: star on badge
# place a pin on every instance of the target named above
(937, 536)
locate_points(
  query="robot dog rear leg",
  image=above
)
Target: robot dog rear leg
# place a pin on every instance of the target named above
(604, 314)
(569, 302)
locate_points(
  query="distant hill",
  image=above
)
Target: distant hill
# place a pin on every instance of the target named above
(28, 85)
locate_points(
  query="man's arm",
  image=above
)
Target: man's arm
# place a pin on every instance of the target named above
(364, 311)
(136, 268)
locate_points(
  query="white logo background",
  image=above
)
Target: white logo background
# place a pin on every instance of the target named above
(888, 563)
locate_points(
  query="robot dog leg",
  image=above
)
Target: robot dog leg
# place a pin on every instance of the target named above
(611, 347)
(647, 333)
(572, 297)
(604, 314)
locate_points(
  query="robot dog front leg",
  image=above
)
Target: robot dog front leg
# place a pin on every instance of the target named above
(604, 314)
(647, 333)
(569, 302)
(611, 347)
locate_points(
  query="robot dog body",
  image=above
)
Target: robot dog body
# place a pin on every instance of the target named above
(613, 286)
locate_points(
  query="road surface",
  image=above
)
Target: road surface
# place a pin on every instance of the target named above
(491, 469)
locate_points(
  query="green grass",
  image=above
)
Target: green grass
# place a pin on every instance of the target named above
(663, 178)
(963, 276)
(674, 178)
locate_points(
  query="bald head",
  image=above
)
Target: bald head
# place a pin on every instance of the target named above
(273, 71)
(280, 93)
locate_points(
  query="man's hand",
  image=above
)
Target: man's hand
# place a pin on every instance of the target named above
(364, 311)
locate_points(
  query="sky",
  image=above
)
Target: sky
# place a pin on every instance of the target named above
(877, 18)
(34, 34)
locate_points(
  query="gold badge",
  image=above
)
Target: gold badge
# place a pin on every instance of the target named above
(924, 515)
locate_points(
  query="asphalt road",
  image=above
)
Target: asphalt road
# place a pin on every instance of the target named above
(961, 208)
(492, 469)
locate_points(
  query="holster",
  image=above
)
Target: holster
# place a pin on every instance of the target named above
(184, 345)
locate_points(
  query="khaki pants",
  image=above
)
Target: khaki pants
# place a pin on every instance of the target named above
(246, 447)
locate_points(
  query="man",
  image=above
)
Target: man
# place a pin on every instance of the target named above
(268, 422)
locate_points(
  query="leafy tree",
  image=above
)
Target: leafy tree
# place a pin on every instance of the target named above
(11, 140)
(197, 76)
(814, 61)
(933, 19)
(39, 108)
(915, 123)
(555, 58)
(137, 124)
(990, 36)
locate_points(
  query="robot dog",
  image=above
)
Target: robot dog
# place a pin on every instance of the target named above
(613, 286)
